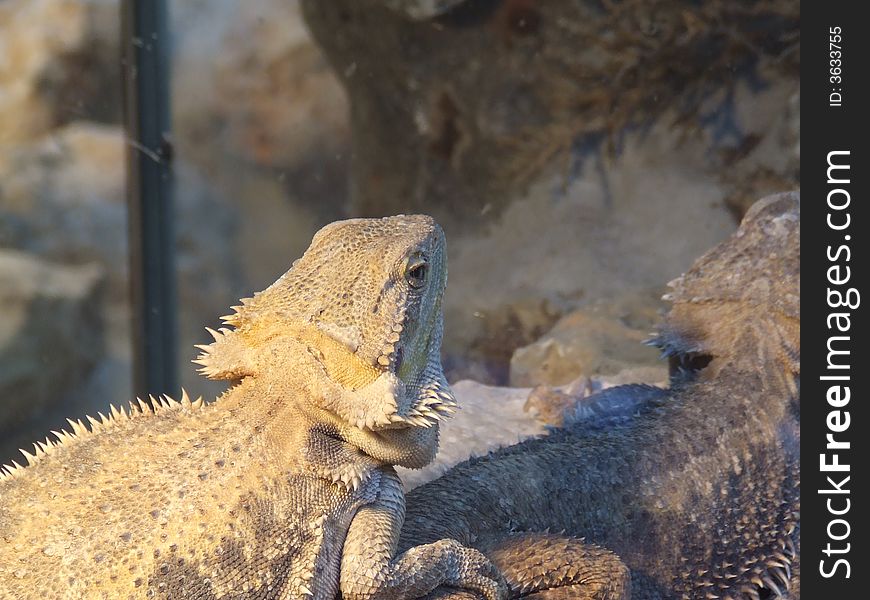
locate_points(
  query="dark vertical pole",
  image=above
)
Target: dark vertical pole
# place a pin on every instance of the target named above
(145, 64)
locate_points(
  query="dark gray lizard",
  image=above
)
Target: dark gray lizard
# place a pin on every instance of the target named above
(696, 488)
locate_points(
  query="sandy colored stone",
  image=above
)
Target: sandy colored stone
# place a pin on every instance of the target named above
(64, 196)
(58, 62)
(603, 339)
(50, 335)
(249, 74)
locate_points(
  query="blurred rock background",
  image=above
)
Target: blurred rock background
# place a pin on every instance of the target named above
(579, 155)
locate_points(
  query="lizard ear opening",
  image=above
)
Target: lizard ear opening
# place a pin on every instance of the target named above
(225, 358)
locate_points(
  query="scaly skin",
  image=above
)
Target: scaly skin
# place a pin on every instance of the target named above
(699, 492)
(282, 488)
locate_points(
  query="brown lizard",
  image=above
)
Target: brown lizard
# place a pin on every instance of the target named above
(282, 488)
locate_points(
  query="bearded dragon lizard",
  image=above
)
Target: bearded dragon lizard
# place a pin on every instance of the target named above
(282, 488)
(697, 487)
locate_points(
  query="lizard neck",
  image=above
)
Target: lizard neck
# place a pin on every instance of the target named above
(286, 418)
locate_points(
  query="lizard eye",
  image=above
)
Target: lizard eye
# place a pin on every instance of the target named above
(416, 272)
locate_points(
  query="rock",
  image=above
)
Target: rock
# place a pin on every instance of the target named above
(617, 229)
(602, 339)
(64, 196)
(479, 343)
(455, 113)
(50, 339)
(58, 62)
(293, 107)
(557, 183)
(618, 225)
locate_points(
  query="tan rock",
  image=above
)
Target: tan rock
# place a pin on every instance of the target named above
(78, 164)
(50, 335)
(603, 339)
(58, 62)
(248, 73)
(619, 226)
(65, 192)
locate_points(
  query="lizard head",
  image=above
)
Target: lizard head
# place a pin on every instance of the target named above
(739, 303)
(364, 304)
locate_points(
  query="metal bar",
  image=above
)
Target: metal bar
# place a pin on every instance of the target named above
(145, 67)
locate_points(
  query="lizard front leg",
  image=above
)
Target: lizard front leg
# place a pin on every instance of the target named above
(369, 570)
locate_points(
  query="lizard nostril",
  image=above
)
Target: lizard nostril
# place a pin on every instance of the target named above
(398, 360)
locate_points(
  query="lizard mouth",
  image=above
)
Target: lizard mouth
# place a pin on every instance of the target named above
(684, 364)
(686, 358)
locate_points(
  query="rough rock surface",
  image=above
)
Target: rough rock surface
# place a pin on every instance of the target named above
(62, 197)
(249, 74)
(614, 229)
(50, 339)
(601, 339)
(58, 62)
(507, 121)
(491, 417)
(460, 110)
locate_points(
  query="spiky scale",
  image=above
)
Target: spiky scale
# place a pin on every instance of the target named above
(96, 425)
(60, 435)
(30, 458)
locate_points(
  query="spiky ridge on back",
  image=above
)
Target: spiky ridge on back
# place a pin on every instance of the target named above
(78, 428)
